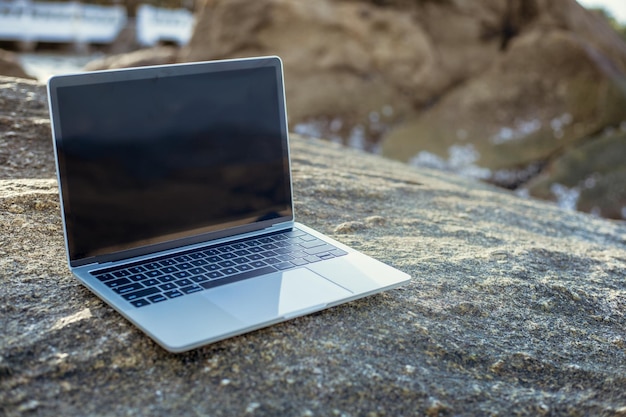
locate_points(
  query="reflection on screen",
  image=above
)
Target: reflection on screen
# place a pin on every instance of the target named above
(150, 160)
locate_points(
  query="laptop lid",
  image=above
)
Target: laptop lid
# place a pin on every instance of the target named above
(154, 158)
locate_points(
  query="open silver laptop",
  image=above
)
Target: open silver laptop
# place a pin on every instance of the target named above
(177, 205)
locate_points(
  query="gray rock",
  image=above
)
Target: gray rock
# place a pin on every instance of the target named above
(592, 175)
(159, 55)
(26, 145)
(515, 307)
(11, 67)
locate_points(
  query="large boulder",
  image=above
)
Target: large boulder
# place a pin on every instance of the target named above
(355, 62)
(547, 92)
(488, 88)
(590, 177)
(515, 307)
(558, 84)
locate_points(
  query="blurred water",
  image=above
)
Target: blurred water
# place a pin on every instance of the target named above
(46, 64)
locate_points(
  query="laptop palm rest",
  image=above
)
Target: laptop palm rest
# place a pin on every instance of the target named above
(279, 295)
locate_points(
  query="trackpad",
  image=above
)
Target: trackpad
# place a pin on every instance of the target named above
(276, 295)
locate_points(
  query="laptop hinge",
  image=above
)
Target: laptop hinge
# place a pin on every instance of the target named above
(280, 226)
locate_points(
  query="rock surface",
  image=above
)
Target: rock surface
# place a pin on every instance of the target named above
(515, 307)
(10, 66)
(143, 57)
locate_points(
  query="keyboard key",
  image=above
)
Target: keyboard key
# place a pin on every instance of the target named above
(136, 269)
(196, 255)
(284, 265)
(151, 266)
(184, 265)
(272, 261)
(242, 252)
(226, 264)
(229, 255)
(151, 282)
(325, 255)
(117, 282)
(182, 258)
(181, 274)
(183, 282)
(199, 262)
(168, 286)
(140, 303)
(244, 267)
(212, 267)
(285, 250)
(319, 249)
(197, 271)
(137, 277)
(105, 277)
(199, 278)
(338, 252)
(157, 298)
(168, 269)
(173, 294)
(166, 278)
(140, 294)
(214, 275)
(256, 249)
(313, 244)
(153, 273)
(258, 264)
(299, 261)
(240, 245)
(228, 271)
(190, 289)
(167, 262)
(265, 239)
(121, 273)
(214, 259)
(211, 252)
(255, 257)
(269, 246)
(240, 261)
(312, 258)
(134, 286)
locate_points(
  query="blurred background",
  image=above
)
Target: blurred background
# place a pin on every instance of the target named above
(529, 95)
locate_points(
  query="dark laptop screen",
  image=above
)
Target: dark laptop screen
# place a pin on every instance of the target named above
(163, 156)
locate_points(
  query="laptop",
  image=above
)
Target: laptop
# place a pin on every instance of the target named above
(176, 198)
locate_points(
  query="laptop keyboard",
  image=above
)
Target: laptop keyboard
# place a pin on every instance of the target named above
(167, 277)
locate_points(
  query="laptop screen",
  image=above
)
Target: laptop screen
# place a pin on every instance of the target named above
(149, 156)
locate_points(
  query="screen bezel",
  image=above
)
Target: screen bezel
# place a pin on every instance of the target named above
(186, 237)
